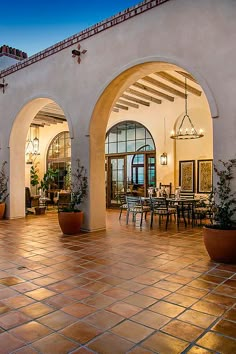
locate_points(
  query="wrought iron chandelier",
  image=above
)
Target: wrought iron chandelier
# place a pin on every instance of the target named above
(186, 129)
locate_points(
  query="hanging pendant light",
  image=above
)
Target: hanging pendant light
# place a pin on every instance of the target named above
(29, 144)
(186, 129)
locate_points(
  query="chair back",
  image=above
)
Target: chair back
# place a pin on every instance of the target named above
(133, 201)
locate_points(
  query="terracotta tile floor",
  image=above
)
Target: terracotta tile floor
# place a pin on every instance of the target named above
(123, 290)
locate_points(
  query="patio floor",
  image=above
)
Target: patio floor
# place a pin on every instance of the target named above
(123, 290)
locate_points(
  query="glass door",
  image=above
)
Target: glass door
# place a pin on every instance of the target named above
(116, 180)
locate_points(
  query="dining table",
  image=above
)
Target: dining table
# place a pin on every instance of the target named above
(184, 206)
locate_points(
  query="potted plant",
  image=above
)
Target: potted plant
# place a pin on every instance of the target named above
(70, 216)
(3, 189)
(34, 177)
(220, 236)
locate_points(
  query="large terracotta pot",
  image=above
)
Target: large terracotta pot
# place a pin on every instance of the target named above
(220, 244)
(2, 210)
(70, 222)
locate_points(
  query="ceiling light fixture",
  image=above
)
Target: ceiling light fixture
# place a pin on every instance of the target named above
(186, 129)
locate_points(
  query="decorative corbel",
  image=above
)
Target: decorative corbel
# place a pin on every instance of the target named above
(3, 85)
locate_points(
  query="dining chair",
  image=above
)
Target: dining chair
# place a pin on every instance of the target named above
(135, 205)
(123, 204)
(161, 207)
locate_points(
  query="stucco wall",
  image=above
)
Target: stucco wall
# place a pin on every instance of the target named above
(195, 35)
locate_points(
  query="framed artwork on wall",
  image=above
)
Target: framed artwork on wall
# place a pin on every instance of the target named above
(204, 176)
(187, 175)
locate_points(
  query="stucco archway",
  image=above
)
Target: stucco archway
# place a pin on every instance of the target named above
(126, 77)
(17, 154)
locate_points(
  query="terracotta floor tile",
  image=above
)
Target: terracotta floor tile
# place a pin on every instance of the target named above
(132, 286)
(154, 292)
(165, 344)
(168, 285)
(182, 330)
(83, 350)
(117, 293)
(9, 343)
(26, 350)
(103, 319)
(212, 278)
(78, 310)
(81, 332)
(6, 293)
(139, 300)
(150, 278)
(225, 327)
(55, 343)
(105, 342)
(208, 307)
(99, 301)
(225, 290)
(9, 281)
(4, 308)
(132, 331)
(151, 319)
(231, 283)
(97, 286)
(202, 284)
(198, 350)
(59, 301)
(36, 310)
(139, 350)
(77, 294)
(18, 301)
(231, 315)
(57, 320)
(24, 287)
(124, 309)
(40, 294)
(197, 318)
(226, 301)
(13, 319)
(217, 343)
(182, 300)
(193, 292)
(30, 332)
(167, 309)
(44, 281)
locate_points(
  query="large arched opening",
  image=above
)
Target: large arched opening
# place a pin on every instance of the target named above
(161, 85)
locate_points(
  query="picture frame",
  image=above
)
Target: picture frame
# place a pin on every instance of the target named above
(205, 176)
(187, 175)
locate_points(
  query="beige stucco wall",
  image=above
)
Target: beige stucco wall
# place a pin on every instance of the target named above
(196, 36)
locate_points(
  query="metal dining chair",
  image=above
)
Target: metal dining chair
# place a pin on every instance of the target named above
(161, 207)
(135, 205)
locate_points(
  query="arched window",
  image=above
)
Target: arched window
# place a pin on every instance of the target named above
(59, 157)
(130, 161)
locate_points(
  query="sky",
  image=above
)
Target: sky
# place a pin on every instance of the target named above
(34, 25)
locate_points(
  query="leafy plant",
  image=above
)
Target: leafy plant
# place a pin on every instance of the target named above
(78, 187)
(48, 180)
(222, 197)
(34, 177)
(3, 183)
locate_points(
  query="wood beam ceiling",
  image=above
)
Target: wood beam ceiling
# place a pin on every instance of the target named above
(134, 99)
(164, 86)
(127, 103)
(143, 95)
(187, 75)
(153, 91)
(178, 82)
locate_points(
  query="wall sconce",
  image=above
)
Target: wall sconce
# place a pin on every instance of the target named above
(163, 158)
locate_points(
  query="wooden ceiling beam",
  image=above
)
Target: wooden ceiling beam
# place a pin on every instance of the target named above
(134, 99)
(178, 82)
(153, 91)
(121, 106)
(163, 86)
(143, 95)
(127, 103)
(116, 110)
(187, 75)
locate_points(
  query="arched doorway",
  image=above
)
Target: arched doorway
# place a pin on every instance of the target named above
(130, 161)
(141, 78)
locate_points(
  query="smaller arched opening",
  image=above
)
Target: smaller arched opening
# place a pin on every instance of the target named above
(130, 161)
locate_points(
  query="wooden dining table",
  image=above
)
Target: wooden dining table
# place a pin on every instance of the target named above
(184, 205)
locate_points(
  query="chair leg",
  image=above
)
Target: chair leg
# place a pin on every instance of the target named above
(120, 213)
(167, 220)
(151, 219)
(141, 221)
(127, 217)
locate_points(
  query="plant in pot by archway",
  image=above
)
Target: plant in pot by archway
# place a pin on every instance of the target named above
(220, 236)
(3, 189)
(70, 216)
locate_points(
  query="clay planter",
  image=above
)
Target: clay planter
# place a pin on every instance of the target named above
(2, 210)
(70, 221)
(220, 244)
